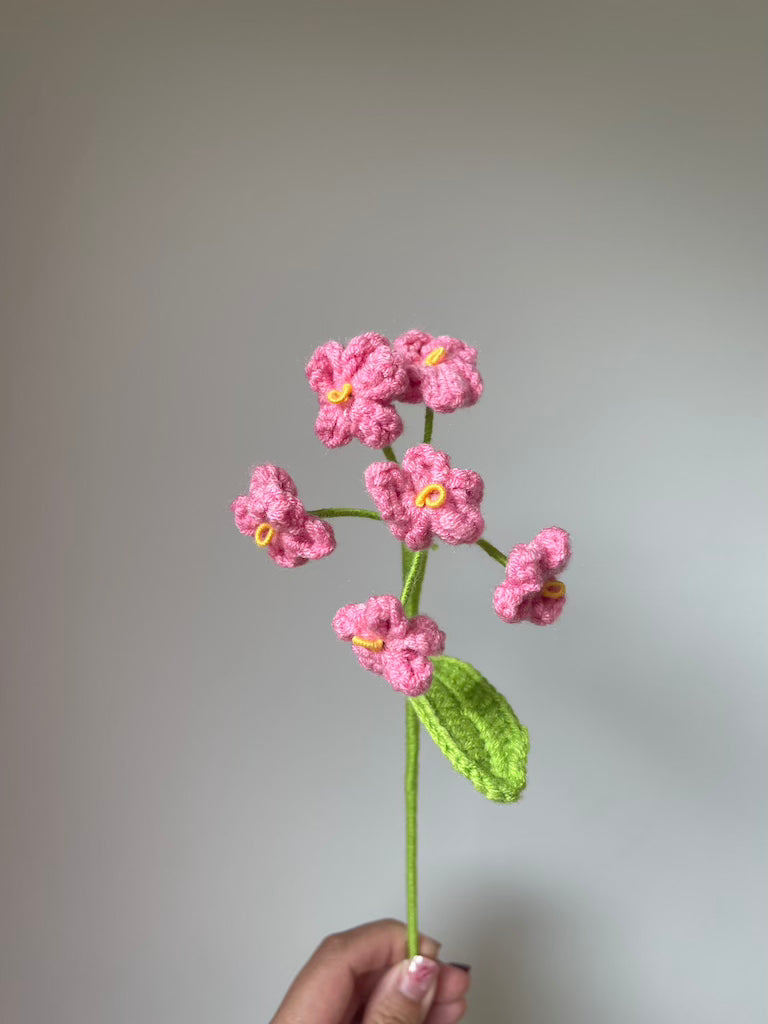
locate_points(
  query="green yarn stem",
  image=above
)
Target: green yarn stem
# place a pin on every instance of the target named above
(330, 513)
(412, 584)
(411, 807)
(493, 551)
(389, 454)
(414, 567)
(428, 421)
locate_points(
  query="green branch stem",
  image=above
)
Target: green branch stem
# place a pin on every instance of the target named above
(493, 551)
(412, 583)
(332, 513)
(414, 567)
(389, 453)
(429, 418)
(411, 833)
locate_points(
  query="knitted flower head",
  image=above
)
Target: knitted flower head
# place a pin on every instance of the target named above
(272, 514)
(355, 387)
(441, 371)
(530, 590)
(421, 499)
(425, 498)
(387, 642)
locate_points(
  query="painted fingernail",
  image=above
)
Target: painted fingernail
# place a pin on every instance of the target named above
(462, 967)
(418, 977)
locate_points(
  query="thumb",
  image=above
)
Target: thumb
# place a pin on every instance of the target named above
(405, 993)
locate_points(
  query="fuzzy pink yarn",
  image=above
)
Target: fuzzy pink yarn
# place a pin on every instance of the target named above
(369, 377)
(395, 489)
(530, 568)
(404, 644)
(447, 381)
(272, 505)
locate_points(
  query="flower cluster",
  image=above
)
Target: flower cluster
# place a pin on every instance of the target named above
(421, 499)
(357, 385)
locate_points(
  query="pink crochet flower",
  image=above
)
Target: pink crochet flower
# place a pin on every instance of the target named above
(355, 387)
(388, 643)
(441, 371)
(274, 516)
(425, 497)
(530, 590)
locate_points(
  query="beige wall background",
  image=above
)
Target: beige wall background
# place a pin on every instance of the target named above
(197, 782)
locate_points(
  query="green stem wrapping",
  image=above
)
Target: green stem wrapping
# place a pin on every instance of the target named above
(411, 807)
(330, 513)
(428, 420)
(493, 551)
(389, 453)
(412, 583)
(414, 567)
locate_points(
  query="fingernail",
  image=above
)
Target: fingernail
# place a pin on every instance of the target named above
(417, 977)
(462, 967)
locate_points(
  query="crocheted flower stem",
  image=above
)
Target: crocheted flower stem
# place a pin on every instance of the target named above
(389, 454)
(331, 513)
(428, 421)
(411, 807)
(414, 567)
(412, 583)
(493, 551)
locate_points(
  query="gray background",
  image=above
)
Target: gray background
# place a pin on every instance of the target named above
(196, 779)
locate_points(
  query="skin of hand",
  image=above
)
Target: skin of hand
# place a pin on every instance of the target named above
(360, 977)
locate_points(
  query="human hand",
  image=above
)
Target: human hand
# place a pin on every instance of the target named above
(360, 977)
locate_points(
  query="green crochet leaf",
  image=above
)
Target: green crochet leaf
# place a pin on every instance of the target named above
(476, 729)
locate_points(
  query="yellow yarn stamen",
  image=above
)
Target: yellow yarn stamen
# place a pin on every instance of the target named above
(437, 355)
(369, 645)
(264, 535)
(433, 496)
(553, 589)
(337, 397)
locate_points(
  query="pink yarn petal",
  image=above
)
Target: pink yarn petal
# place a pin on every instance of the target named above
(375, 424)
(542, 611)
(555, 544)
(450, 386)
(282, 509)
(410, 348)
(313, 539)
(384, 617)
(412, 391)
(390, 487)
(282, 551)
(360, 349)
(457, 351)
(347, 621)
(245, 520)
(426, 465)
(458, 524)
(269, 477)
(418, 532)
(466, 486)
(410, 675)
(414, 345)
(524, 568)
(381, 376)
(325, 367)
(334, 425)
(506, 602)
(424, 636)
(372, 661)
